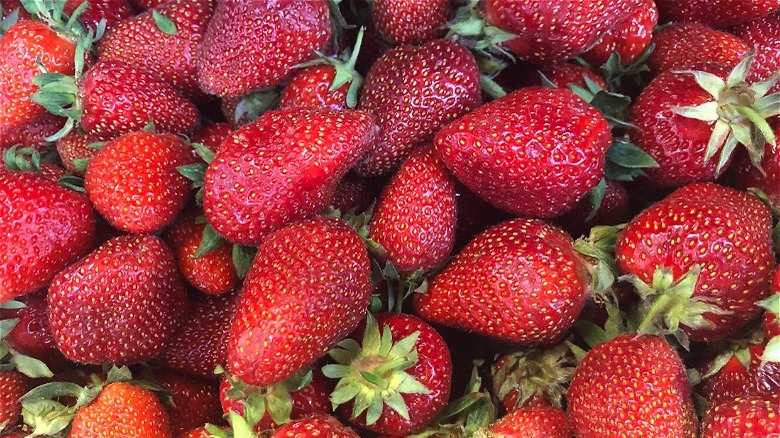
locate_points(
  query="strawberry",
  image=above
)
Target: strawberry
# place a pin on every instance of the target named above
(614, 209)
(281, 168)
(531, 422)
(33, 134)
(250, 45)
(744, 417)
(13, 385)
(414, 220)
(763, 36)
(534, 152)
(163, 42)
(75, 151)
(129, 321)
(112, 11)
(194, 402)
(681, 46)
(413, 97)
(313, 304)
(629, 38)
(212, 136)
(770, 322)
(716, 14)
(561, 75)
(528, 263)
(701, 258)
(316, 426)
(743, 174)
(200, 345)
(133, 181)
(743, 374)
(147, 4)
(45, 227)
(32, 334)
(403, 23)
(397, 369)
(353, 193)
(631, 385)
(200, 432)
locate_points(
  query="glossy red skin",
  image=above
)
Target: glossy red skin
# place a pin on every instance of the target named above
(195, 401)
(735, 381)
(172, 59)
(310, 88)
(555, 155)
(212, 136)
(548, 35)
(433, 369)
(676, 143)
(112, 11)
(200, 344)
(313, 304)
(520, 281)
(614, 209)
(75, 145)
(45, 227)
(726, 232)
(763, 36)
(629, 38)
(414, 219)
(533, 422)
(134, 182)
(145, 98)
(719, 13)
(403, 23)
(745, 417)
(567, 73)
(681, 46)
(297, 30)
(637, 377)
(353, 193)
(31, 134)
(129, 322)
(475, 215)
(13, 385)
(413, 92)
(744, 174)
(32, 335)
(282, 168)
(316, 426)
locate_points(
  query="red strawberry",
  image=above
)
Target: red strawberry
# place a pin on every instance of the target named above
(200, 344)
(704, 256)
(681, 46)
(412, 97)
(33, 134)
(250, 45)
(743, 417)
(194, 401)
(743, 374)
(308, 287)
(763, 36)
(403, 23)
(771, 320)
(719, 13)
(631, 386)
(614, 209)
(353, 193)
(629, 38)
(528, 263)
(316, 426)
(744, 174)
(75, 152)
(45, 227)
(32, 334)
(567, 73)
(13, 385)
(200, 432)
(281, 168)
(534, 152)
(414, 221)
(532, 422)
(399, 379)
(112, 11)
(212, 136)
(127, 292)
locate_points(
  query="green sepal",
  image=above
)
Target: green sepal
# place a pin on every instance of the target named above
(194, 172)
(537, 371)
(22, 159)
(7, 22)
(165, 24)
(211, 240)
(626, 161)
(47, 417)
(30, 366)
(596, 195)
(771, 304)
(599, 248)
(81, 164)
(204, 152)
(771, 351)
(243, 256)
(615, 72)
(72, 182)
(255, 104)
(12, 305)
(241, 428)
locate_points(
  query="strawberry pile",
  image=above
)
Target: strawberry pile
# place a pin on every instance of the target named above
(377, 218)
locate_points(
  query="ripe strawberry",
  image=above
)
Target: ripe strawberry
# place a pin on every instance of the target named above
(763, 36)
(715, 14)
(13, 385)
(313, 304)
(567, 73)
(681, 46)
(771, 319)
(251, 45)
(212, 136)
(281, 168)
(534, 152)
(200, 432)
(743, 417)
(200, 344)
(194, 401)
(127, 292)
(403, 23)
(631, 385)
(75, 152)
(147, 4)
(412, 97)
(629, 38)
(529, 263)
(32, 335)
(399, 379)
(743, 374)
(33, 134)
(743, 174)
(112, 11)
(316, 426)
(353, 193)
(45, 227)
(703, 257)
(532, 422)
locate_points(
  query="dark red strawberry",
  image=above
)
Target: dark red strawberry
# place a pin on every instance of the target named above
(743, 417)
(412, 97)
(316, 426)
(13, 385)
(193, 402)
(681, 46)
(128, 292)
(614, 209)
(744, 174)
(475, 215)
(32, 335)
(568, 73)
(743, 374)
(308, 287)
(200, 432)
(75, 151)
(715, 13)
(534, 152)
(771, 320)
(212, 136)
(147, 4)
(631, 385)
(403, 23)
(628, 38)
(251, 45)
(353, 193)
(112, 11)
(532, 422)
(281, 168)
(763, 36)
(511, 263)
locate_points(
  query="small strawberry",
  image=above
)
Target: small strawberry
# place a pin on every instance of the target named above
(32, 334)
(720, 13)
(743, 374)
(744, 174)
(316, 426)
(75, 151)
(742, 417)
(561, 75)
(112, 11)
(629, 38)
(403, 23)
(13, 385)
(193, 402)
(763, 36)
(530, 422)
(212, 136)
(681, 46)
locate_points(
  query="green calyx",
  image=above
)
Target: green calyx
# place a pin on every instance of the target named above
(599, 251)
(738, 113)
(534, 372)
(374, 375)
(242, 256)
(22, 159)
(772, 349)
(775, 209)
(470, 29)
(615, 72)
(254, 104)
(399, 287)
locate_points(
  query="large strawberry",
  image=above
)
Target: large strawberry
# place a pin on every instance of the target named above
(742, 417)
(520, 281)
(316, 426)
(128, 295)
(681, 46)
(530, 422)
(250, 45)
(716, 13)
(534, 152)
(308, 287)
(281, 168)
(403, 23)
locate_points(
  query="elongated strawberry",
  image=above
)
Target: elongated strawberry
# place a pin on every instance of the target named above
(127, 292)
(629, 38)
(681, 46)
(716, 14)
(403, 23)
(748, 416)
(763, 36)
(526, 264)
(316, 426)
(313, 304)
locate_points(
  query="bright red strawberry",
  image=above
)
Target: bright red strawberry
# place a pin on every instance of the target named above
(629, 38)
(212, 136)
(13, 385)
(75, 152)
(316, 426)
(568, 73)
(412, 97)
(704, 256)
(763, 36)
(403, 23)
(112, 11)
(532, 422)
(719, 13)
(743, 417)
(194, 401)
(353, 193)
(534, 152)
(45, 227)
(744, 174)
(414, 220)
(281, 168)
(32, 335)
(528, 263)
(169, 53)
(200, 344)
(632, 385)
(681, 46)
(251, 45)
(411, 373)
(133, 181)
(128, 292)
(743, 374)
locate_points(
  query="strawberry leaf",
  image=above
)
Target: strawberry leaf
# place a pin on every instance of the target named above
(242, 259)
(164, 23)
(30, 367)
(211, 240)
